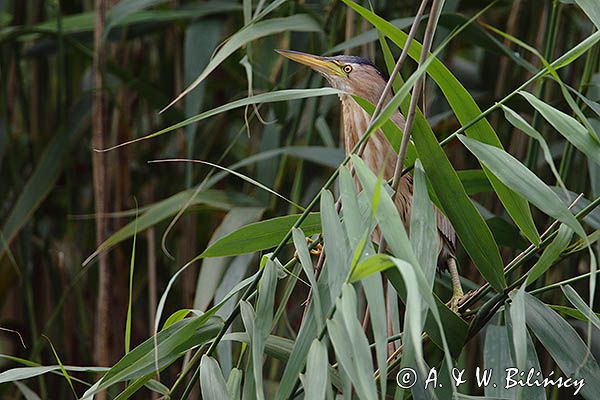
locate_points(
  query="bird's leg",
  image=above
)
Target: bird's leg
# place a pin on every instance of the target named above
(457, 292)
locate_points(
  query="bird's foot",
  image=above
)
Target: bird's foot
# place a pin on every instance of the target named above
(457, 292)
(317, 250)
(454, 302)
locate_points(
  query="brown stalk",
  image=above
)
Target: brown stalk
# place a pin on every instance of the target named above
(99, 124)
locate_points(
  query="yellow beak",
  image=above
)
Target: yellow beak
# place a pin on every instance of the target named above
(318, 63)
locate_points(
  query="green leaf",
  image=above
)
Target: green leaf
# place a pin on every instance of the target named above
(157, 387)
(474, 181)
(334, 239)
(518, 122)
(564, 345)
(234, 384)
(423, 228)
(470, 227)
(129, 304)
(260, 235)
(316, 376)
(519, 178)
(567, 126)
(298, 23)
(497, 359)
(454, 327)
(307, 266)
(570, 312)
(212, 381)
(263, 322)
(176, 317)
(551, 253)
(578, 302)
(590, 7)
(22, 373)
(171, 343)
(213, 268)
(519, 327)
(466, 110)
(351, 345)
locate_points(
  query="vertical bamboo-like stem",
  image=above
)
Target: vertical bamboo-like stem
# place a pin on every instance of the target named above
(101, 342)
(591, 64)
(503, 71)
(533, 147)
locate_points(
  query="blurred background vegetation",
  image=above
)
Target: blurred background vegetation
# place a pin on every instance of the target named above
(83, 75)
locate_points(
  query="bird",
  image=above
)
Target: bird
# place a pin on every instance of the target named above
(358, 76)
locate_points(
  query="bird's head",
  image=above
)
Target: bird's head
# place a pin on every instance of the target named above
(351, 74)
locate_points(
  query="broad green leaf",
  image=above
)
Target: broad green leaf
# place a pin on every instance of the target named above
(234, 384)
(567, 126)
(176, 317)
(423, 228)
(474, 181)
(22, 373)
(570, 312)
(578, 302)
(454, 327)
(518, 122)
(212, 382)
(212, 269)
(374, 294)
(519, 327)
(466, 110)
(263, 322)
(298, 23)
(592, 219)
(307, 265)
(351, 346)
(334, 239)
(260, 235)
(157, 387)
(171, 343)
(470, 227)
(414, 281)
(316, 376)
(590, 7)
(519, 178)
(169, 207)
(564, 345)
(551, 253)
(497, 359)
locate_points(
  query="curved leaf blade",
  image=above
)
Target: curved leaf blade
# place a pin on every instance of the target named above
(260, 235)
(519, 178)
(298, 23)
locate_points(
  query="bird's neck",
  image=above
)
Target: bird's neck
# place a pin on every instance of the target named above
(378, 152)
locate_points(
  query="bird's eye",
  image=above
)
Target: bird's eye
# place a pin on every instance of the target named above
(347, 68)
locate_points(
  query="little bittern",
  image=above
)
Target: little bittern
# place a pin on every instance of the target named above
(357, 76)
